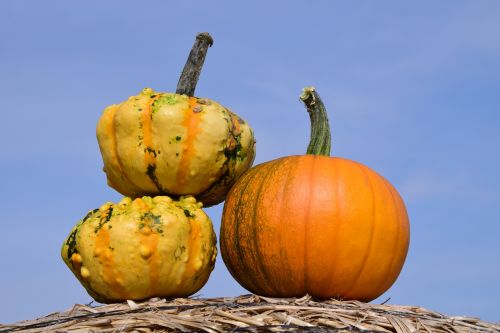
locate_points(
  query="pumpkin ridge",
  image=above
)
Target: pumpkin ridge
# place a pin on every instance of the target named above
(397, 200)
(257, 253)
(334, 169)
(368, 251)
(290, 165)
(251, 206)
(234, 230)
(398, 220)
(306, 233)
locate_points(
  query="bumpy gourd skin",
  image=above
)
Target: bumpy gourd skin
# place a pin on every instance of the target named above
(170, 144)
(142, 248)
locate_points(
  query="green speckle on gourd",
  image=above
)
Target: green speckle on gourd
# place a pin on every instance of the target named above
(164, 99)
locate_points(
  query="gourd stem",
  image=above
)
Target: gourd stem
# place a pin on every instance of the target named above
(320, 142)
(192, 68)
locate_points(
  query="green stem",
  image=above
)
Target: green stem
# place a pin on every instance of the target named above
(320, 143)
(192, 68)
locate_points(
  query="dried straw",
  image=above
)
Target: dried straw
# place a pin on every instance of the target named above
(250, 313)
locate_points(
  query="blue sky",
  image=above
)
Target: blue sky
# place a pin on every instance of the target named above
(412, 90)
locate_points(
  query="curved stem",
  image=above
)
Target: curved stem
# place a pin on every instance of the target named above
(192, 68)
(320, 142)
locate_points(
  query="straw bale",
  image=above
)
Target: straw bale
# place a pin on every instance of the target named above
(249, 313)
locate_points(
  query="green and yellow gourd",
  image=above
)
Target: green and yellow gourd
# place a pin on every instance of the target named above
(173, 143)
(141, 248)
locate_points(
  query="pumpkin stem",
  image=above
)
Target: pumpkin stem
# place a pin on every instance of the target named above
(320, 143)
(192, 68)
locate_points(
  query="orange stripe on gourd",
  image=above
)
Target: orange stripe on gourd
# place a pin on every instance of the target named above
(149, 239)
(110, 274)
(192, 124)
(192, 265)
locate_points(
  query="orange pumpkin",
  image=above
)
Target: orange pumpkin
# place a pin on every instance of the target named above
(314, 224)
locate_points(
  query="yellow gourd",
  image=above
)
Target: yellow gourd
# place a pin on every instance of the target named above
(174, 143)
(142, 248)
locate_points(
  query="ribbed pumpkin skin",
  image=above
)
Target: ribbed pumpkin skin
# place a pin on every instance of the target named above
(325, 226)
(148, 247)
(171, 144)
